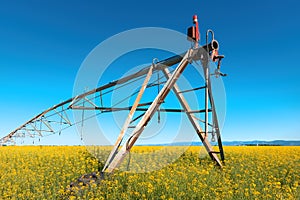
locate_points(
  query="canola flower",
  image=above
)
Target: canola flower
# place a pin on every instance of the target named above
(41, 172)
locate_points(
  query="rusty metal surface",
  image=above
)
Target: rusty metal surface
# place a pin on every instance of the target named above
(42, 123)
(149, 113)
(66, 105)
(128, 119)
(202, 135)
(62, 115)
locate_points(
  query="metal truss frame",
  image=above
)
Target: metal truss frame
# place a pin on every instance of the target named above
(57, 118)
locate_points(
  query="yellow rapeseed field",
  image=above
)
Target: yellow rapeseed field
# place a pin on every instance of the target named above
(41, 172)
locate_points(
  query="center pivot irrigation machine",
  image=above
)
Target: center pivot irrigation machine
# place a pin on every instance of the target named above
(57, 118)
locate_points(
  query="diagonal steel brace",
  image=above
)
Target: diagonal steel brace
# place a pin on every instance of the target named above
(128, 120)
(149, 113)
(193, 121)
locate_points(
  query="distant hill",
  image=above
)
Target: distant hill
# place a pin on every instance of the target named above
(263, 143)
(236, 143)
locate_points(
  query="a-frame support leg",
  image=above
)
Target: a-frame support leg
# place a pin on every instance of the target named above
(192, 119)
(129, 118)
(119, 157)
(215, 120)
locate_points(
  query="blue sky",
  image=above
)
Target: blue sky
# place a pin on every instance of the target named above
(43, 43)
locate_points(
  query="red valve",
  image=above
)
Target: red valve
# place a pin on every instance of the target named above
(195, 21)
(193, 32)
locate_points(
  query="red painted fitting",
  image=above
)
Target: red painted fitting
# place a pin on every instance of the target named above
(195, 19)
